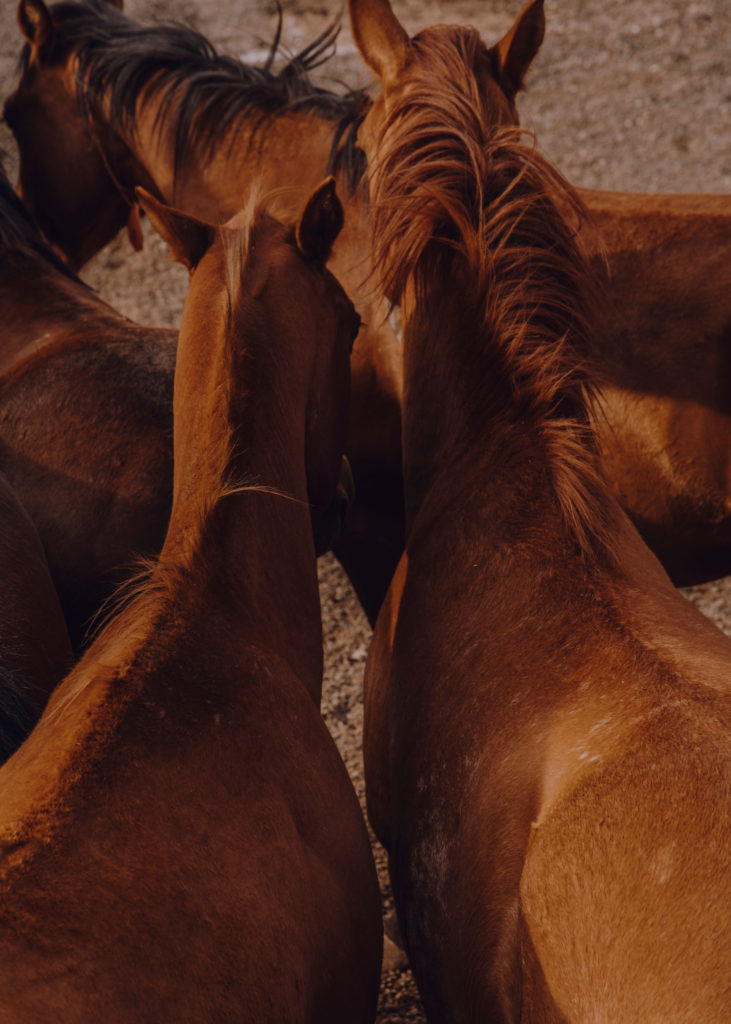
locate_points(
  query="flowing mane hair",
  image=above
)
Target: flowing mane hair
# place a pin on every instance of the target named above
(205, 95)
(456, 199)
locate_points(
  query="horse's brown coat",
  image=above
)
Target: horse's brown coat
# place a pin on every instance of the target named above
(35, 652)
(86, 420)
(666, 435)
(111, 154)
(179, 839)
(547, 743)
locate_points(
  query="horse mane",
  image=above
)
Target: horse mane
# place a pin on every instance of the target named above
(454, 197)
(204, 94)
(19, 235)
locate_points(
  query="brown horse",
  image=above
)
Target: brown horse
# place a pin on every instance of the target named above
(159, 108)
(548, 757)
(180, 840)
(85, 419)
(666, 436)
(663, 353)
(35, 652)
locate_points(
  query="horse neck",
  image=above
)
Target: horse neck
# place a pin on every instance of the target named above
(437, 408)
(240, 526)
(39, 303)
(468, 443)
(293, 149)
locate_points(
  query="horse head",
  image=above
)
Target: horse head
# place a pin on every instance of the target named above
(71, 169)
(497, 73)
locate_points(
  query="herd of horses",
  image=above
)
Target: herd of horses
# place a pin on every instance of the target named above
(539, 458)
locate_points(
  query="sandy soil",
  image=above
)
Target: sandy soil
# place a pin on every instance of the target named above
(625, 94)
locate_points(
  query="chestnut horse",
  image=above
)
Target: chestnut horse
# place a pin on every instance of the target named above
(159, 108)
(663, 353)
(548, 756)
(85, 419)
(180, 840)
(666, 437)
(35, 652)
(668, 256)
(664, 350)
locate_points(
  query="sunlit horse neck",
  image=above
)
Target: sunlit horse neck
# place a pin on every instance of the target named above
(259, 421)
(479, 209)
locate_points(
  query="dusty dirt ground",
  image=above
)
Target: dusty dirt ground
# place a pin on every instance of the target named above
(625, 94)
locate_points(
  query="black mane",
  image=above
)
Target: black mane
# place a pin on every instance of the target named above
(205, 95)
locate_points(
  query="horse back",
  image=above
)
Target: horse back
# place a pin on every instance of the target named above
(193, 852)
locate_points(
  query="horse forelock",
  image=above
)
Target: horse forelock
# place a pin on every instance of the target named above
(456, 198)
(203, 96)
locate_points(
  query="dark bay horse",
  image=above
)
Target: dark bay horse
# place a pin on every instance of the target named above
(547, 744)
(160, 108)
(85, 419)
(35, 652)
(180, 840)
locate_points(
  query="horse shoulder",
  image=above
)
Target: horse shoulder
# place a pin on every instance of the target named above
(624, 880)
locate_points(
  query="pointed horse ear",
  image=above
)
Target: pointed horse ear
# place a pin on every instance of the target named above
(320, 223)
(189, 239)
(381, 39)
(518, 47)
(35, 23)
(134, 228)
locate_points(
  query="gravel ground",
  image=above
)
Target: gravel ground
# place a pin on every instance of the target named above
(625, 94)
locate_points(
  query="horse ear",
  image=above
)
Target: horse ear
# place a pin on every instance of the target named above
(382, 41)
(320, 223)
(134, 228)
(189, 239)
(518, 47)
(35, 22)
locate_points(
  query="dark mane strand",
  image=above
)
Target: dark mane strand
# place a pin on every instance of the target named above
(205, 95)
(456, 198)
(19, 234)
